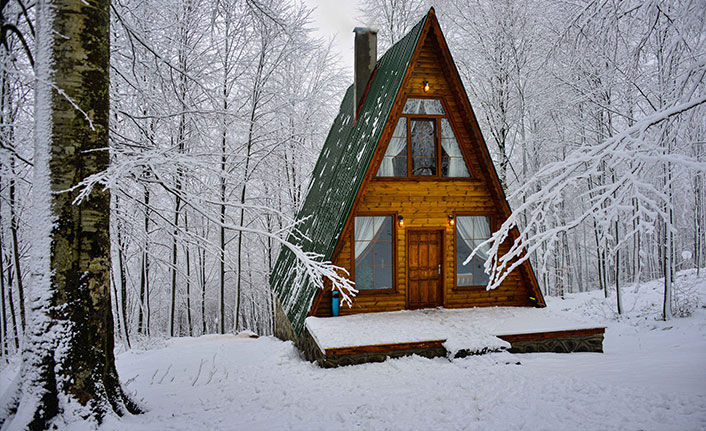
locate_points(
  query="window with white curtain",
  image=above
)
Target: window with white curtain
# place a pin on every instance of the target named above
(423, 144)
(452, 163)
(372, 247)
(394, 164)
(471, 231)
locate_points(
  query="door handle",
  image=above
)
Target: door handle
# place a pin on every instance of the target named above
(439, 269)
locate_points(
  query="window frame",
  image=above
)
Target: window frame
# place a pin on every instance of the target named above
(395, 227)
(492, 220)
(437, 145)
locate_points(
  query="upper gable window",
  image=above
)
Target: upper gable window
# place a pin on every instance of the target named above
(423, 106)
(423, 144)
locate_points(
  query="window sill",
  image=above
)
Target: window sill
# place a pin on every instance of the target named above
(468, 288)
(377, 292)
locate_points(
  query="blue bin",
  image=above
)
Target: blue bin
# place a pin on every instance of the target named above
(335, 302)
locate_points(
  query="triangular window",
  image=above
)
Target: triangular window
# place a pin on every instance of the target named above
(423, 144)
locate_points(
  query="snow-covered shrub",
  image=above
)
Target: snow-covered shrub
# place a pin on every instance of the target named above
(685, 297)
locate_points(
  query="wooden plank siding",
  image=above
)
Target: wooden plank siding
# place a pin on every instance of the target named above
(384, 348)
(512, 338)
(426, 203)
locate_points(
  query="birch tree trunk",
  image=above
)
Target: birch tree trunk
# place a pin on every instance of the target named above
(68, 364)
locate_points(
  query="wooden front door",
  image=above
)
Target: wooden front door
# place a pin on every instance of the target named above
(424, 260)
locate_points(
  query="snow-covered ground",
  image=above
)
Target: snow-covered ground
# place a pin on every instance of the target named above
(652, 376)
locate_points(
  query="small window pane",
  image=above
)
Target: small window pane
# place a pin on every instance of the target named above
(383, 252)
(366, 257)
(373, 252)
(383, 277)
(470, 232)
(364, 277)
(423, 106)
(423, 147)
(394, 163)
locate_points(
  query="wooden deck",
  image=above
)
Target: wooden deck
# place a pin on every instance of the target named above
(566, 341)
(334, 342)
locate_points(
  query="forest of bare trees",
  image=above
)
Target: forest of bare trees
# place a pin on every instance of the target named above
(217, 112)
(593, 111)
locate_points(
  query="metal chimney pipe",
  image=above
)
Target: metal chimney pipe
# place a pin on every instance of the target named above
(365, 58)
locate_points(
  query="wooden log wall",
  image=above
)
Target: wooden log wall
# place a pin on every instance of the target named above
(426, 203)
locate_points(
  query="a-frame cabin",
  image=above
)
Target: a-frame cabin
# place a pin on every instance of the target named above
(402, 192)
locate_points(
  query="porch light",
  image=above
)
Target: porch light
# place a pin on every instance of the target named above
(400, 221)
(452, 220)
(425, 86)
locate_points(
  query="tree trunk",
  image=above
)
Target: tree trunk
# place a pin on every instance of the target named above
(222, 228)
(8, 121)
(202, 273)
(698, 221)
(143, 309)
(188, 278)
(3, 314)
(668, 246)
(68, 362)
(11, 303)
(123, 293)
(16, 248)
(172, 296)
(618, 297)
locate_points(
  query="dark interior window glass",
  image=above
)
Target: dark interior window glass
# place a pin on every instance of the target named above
(423, 147)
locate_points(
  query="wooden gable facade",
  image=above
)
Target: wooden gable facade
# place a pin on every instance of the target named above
(428, 205)
(421, 209)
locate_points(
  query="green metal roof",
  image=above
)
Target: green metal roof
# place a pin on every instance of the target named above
(338, 175)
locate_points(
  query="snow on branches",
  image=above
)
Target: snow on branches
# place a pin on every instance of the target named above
(632, 158)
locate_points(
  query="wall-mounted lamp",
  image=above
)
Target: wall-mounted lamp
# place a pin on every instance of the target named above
(425, 86)
(452, 220)
(400, 221)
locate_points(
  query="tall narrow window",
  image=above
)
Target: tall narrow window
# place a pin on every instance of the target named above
(452, 163)
(372, 247)
(470, 232)
(423, 143)
(394, 164)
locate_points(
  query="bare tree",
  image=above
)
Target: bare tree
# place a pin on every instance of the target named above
(68, 354)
